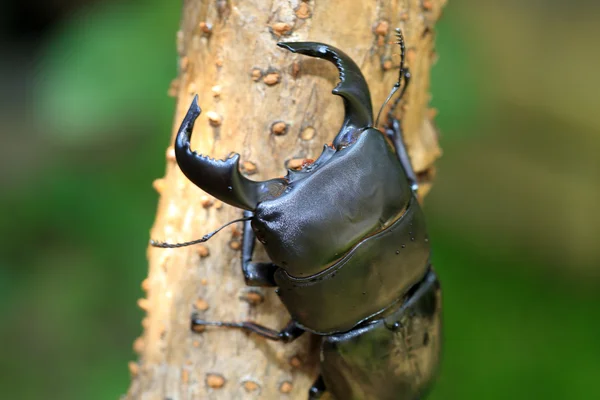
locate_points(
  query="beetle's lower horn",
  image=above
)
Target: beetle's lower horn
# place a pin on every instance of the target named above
(352, 88)
(220, 178)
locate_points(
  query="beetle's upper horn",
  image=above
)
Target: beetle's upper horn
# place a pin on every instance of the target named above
(221, 179)
(352, 87)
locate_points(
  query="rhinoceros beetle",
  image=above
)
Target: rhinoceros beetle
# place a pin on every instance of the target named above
(347, 242)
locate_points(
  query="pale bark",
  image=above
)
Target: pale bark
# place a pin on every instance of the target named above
(246, 84)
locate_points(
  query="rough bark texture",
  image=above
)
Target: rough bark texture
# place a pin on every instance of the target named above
(246, 85)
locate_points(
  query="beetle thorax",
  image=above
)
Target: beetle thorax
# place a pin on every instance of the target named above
(348, 195)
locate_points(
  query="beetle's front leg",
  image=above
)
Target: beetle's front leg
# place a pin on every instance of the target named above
(288, 334)
(255, 274)
(394, 133)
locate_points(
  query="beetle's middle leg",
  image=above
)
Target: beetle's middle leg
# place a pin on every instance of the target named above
(291, 332)
(255, 274)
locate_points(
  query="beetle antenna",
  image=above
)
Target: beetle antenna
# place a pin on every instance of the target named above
(164, 245)
(403, 75)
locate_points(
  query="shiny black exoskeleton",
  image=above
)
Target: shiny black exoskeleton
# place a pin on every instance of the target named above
(348, 247)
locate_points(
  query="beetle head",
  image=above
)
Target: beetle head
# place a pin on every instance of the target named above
(222, 178)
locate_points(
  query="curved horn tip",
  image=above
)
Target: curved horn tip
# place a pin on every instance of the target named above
(286, 45)
(192, 113)
(313, 49)
(194, 106)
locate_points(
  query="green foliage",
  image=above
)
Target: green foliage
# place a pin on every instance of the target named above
(73, 252)
(105, 68)
(511, 331)
(454, 82)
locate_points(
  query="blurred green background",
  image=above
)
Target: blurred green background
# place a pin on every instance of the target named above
(513, 216)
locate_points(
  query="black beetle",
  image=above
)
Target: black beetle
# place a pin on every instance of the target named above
(348, 245)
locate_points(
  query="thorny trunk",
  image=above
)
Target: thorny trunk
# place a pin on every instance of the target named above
(274, 108)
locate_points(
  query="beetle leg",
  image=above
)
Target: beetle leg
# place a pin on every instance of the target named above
(255, 274)
(317, 389)
(288, 334)
(394, 133)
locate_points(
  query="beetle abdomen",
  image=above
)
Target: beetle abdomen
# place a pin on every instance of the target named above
(328, 210)
(371, 277)
(396, 357)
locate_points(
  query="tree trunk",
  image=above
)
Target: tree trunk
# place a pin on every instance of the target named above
(274, 108)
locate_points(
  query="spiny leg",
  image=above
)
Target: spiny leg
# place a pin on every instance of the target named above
(255, 274)
(288, 334)
(317, 389)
